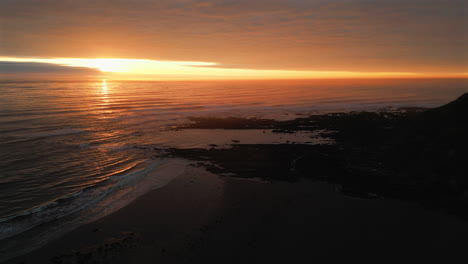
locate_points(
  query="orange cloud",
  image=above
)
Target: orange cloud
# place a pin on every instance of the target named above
(349, 35)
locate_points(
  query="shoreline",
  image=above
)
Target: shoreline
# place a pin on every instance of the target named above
(200, 217)
(116, 194)
(372, 159)
(412, 154)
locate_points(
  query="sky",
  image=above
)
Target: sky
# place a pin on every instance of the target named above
(236, 39)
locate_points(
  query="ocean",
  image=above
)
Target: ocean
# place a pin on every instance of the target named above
(74, 151)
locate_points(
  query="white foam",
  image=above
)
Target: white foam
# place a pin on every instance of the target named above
(83, 207)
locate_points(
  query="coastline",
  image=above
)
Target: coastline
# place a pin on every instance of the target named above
(202, 218)
(412, 154)
(33, 231)
(272, 188)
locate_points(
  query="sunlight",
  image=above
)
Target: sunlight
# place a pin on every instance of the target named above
(104, 65)
(191, 70)
(105, 101)
(104, 86)
(129, 66)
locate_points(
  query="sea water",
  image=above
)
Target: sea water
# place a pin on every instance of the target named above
(71, 151)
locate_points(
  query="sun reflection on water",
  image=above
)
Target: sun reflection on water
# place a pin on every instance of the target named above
(104, 87)
(105, 101)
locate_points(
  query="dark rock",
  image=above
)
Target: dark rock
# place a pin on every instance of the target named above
(418, 155)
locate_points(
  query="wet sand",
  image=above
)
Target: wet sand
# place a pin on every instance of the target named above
(204, 218)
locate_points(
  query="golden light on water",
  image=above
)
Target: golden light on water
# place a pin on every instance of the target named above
(105, 100)
(104, 87)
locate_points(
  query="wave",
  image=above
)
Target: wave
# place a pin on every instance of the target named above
(39, 225)
(59, 208)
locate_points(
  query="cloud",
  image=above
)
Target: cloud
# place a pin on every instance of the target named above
(35, 68)
(358, 35)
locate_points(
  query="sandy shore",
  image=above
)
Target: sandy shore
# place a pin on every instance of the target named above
(200, 217)
(295, 202)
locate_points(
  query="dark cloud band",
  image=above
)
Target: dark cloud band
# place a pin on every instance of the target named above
(37, 67)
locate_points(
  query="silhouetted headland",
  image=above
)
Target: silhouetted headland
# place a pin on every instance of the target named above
(414, 153)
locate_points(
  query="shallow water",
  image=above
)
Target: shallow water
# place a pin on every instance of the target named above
(67, 146)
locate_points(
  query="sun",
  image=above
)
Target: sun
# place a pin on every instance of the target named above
(104, 65)
(131, 66)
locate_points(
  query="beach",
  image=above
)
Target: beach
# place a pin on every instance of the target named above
(285, 202)
(203, 218)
